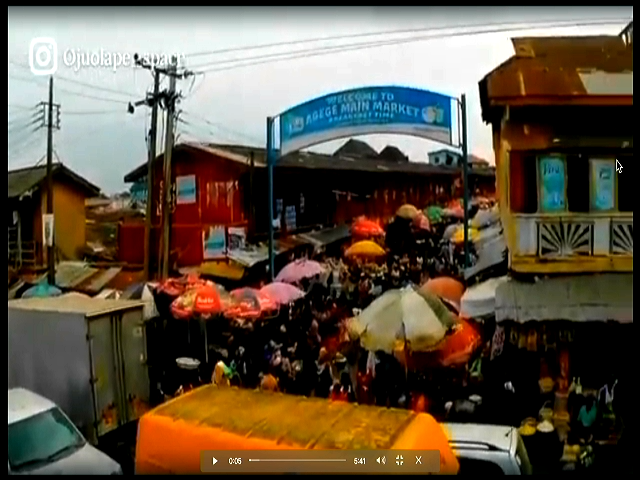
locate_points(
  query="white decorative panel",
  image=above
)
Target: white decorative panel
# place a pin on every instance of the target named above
(622, 237)
(527, 235)
(601, 236)
(565, 238)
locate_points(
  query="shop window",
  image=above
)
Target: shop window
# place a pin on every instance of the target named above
(523, 192)
(478, 468)
(626, 180)
(578, 183)
(552, 183)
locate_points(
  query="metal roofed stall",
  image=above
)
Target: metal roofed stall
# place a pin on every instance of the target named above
(87, 355)
(578, 298)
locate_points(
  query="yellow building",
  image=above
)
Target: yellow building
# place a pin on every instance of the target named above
(27, 204)
(561, 115)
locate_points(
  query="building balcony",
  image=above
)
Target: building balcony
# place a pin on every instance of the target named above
(571, 243)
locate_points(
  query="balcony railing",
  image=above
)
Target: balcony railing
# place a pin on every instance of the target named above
(573, 236)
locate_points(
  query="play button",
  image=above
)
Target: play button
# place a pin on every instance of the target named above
(214, 461)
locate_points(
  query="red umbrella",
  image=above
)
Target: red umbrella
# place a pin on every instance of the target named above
(249, 303)
(365, 228)
(175, 287)
(203, 300)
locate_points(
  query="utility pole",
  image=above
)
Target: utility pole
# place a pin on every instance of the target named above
(152, 157)
(170, 97)
(168, 149)
(51, 265)
(465, 179)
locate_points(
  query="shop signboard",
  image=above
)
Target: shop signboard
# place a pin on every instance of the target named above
(186, 190)
(237, 238)
(603, 190)
(47, 229)
(552, 184)
(290, 217)
(215, 243)
(365, 111)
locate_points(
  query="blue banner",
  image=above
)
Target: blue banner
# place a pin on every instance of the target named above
(552, 179)
(603, 194)
(364, 111)
(186, 189)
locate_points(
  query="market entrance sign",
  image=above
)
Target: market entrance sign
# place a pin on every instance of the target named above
(365, 111)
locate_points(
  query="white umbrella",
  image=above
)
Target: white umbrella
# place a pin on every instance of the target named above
(400, 317)
(480, 300)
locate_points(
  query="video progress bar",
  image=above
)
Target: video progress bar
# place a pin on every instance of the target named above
(297, 459)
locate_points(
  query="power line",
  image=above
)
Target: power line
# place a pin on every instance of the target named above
(218, 126)
(25, 146)
(13, 129)
(20, 120)
(70, 92)
(96, 112)
(306, 53)
(81, 83)
(377, 34)
(198, 135)
(20, 107)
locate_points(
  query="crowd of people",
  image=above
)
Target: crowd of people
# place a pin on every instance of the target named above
(305, 348)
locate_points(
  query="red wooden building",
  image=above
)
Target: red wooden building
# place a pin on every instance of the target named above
(226, 185)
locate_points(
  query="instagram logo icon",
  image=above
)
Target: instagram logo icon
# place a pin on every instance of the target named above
(43, 56)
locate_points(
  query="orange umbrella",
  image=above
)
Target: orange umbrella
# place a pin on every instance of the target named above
(446, 288)
(458, 347)
(365, 248)
(365, 228)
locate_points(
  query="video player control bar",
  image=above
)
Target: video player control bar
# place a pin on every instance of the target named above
(320, 461)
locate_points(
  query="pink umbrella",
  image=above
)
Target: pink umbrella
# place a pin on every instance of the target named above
(283, 293)
(299, 270)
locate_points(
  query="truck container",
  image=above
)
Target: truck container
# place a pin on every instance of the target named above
(87, 355)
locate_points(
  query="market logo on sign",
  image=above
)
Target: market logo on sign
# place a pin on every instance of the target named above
(296, 125)
(433, 114)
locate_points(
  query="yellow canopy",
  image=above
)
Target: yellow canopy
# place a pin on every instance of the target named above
(365, 248)
(407, 211)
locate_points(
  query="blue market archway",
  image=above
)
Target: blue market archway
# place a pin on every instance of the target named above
(364, 111)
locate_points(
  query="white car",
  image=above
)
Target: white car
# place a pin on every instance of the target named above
(43, 441)
(490, 449)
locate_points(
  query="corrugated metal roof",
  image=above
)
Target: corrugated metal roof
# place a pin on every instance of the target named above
(551, 67)
(74, 304)
(71, 274)
(577, 298)
(311, 160)
(100, 280)
(24, 179)
(253, 255)
(327, 236)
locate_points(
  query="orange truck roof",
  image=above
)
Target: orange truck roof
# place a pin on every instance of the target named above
(171, 437)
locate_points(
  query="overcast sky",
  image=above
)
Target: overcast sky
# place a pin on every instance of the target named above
(102, 142)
